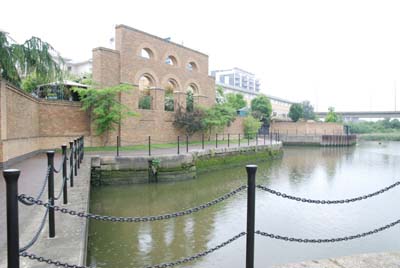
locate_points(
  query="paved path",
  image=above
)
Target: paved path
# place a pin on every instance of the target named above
(66, 246)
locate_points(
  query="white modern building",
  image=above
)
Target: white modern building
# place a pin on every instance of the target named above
(78, 68)
(236, 80)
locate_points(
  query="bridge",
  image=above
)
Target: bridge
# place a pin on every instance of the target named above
(355, 116)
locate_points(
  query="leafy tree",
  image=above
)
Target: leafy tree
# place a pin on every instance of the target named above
(191, 122)
(236, 101)
(308, 111)
(251, 126)
(220, 96)
(332, 116)
(31, 82)
(169, 100)
(106, 111)
(218, 117)
(189, 101)
(32, 57)
(261, 108)
(296, 111)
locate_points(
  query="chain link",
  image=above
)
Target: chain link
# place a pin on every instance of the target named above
(328, 202)
(39, 196)
(51, 262)
(198, 255)
(328, 240)
(162, 265)
(132, 219)
(61, 165)
(62, 188)
(36, 236)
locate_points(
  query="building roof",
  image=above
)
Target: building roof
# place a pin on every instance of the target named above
(66, 83)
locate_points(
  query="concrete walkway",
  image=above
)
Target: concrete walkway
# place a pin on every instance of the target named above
(68, 246)
(371, 260)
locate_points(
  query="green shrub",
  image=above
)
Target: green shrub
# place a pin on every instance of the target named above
(251, 126)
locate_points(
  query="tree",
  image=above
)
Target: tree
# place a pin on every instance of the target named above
(251, 126)
(32, 57)
(106, 111)
(308, 110)
(190, 121)
(220, 96)
(218, 117)
(236, 101)
(31, 82)
(332, 116)
(296, 111)
(261, 108)
(189, 101)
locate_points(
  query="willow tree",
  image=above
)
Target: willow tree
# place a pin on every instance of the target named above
(33, 57)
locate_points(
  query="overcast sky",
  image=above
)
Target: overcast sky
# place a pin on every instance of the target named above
(341, 53)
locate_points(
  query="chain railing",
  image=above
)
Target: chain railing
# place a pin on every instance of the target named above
(328, 202)
(29, 199)
(329, 240)
(11, 177)
(184, 142)
(15, 251)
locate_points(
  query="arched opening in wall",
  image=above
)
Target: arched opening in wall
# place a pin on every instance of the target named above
(190, 92)
(191, 66)
(171, 60)
(170, 87)
(146, 82)
(146, 53)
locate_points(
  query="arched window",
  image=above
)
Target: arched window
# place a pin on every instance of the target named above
(191, 66)
(146, 53)
(190, 91)
(171, 60)
(145, 83)
(170, 87)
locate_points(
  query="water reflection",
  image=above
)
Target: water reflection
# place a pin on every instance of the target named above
(325, 173)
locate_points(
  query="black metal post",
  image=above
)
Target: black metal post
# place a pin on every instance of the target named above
(80, 149)
(216, 140)
(11, 177)
(187, 143)
(228, 139)
(239, 140)
(64, 173)
(71, 164)
(257, 139)
(50, 186)
(117, 145)
(248, 139)
(251, 204)
(202, 141)
(178, 144)
(264, 138)
(83, 147)
(75, 153)
(149, 145)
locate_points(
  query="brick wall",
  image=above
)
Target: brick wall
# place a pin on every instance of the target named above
(307, 128)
